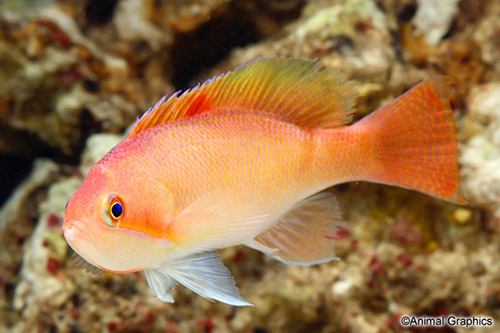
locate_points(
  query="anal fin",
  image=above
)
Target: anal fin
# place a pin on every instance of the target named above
(305, 235)
(260, 247)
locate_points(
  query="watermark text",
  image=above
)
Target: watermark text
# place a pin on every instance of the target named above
(442, 321)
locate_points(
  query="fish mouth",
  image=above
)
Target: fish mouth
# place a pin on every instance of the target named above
(85, 244)
(78, 238)
(114, 250)
(75, 233)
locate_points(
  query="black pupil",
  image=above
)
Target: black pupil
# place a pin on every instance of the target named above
(116, 210)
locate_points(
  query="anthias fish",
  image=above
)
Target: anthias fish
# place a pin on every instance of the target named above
(242, 159)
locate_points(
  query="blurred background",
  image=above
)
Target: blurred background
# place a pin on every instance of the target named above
(74, 75)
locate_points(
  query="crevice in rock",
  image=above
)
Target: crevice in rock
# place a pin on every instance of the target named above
(210, 43)
(17, 168)
(100, 11)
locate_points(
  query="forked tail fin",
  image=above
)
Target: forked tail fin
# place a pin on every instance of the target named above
(415, 142)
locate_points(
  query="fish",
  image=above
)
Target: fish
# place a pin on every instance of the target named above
(245, 159)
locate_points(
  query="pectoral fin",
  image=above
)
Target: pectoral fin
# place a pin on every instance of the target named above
(204, 273)
(304, 236)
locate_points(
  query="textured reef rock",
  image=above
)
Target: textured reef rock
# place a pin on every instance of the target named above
(75, 75)
(488, 39)
(433, 19)
(352, 35)
(58, 84)
(481, 154)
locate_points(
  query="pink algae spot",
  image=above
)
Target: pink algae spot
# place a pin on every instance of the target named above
(171, 326)
(20, 240)
(405, 260)
(394, 321)
(206, 325)
(149, 317)
(440, 311)
(54, 221)
(421, 267)
(339, 235)
(238, 257)
(71, 76)
(112, 326)
(371, 283)
(53, 265)
(376, 267)
(56, 33)
(74, 313)
(404, 232)
(343, 233)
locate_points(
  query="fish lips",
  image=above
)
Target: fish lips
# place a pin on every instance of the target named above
(81, 239)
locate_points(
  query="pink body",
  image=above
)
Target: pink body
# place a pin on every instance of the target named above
(250, 162)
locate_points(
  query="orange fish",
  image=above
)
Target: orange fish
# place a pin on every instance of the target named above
(241, 160)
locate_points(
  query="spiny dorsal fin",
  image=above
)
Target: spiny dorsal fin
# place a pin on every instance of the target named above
(296, 90)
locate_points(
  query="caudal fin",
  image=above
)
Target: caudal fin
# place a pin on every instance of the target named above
(415, 142)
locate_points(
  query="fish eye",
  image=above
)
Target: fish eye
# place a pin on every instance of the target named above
(112, 211)
(116, 210)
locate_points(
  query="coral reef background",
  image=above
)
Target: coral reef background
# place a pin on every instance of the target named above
(74, 75)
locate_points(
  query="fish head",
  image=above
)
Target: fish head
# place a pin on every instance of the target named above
(118, 219)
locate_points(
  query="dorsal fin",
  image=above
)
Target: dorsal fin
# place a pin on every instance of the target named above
(295, 89)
